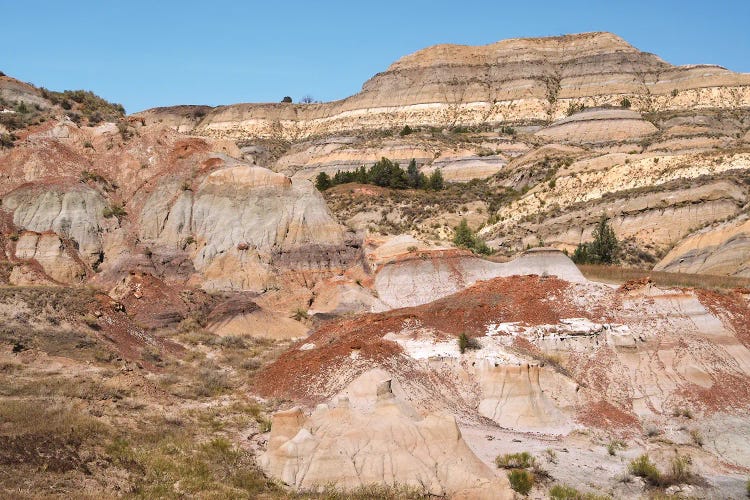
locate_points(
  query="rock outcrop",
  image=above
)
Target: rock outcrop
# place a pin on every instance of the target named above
(242, 221)
(716, 250)
(513, 397)
(348, 447)
(53, 254)
(74, 212)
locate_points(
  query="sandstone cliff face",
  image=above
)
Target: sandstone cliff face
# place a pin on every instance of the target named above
(72, 212)
(517, 80)
(715, 250)
(59, 261)
(386, 445)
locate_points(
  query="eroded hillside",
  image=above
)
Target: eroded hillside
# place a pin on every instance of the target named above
(175, 289)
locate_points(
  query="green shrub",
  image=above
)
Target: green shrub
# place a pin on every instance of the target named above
(91, 106)
(7, 141)
(405, 131)
(384, 173)
(415, 178)
(680, 471)
(645, 468)
(521, 481)
(523, 460)
(625, 103)
(565, 492)
(464, 237)
(299, 314)
(465, 342)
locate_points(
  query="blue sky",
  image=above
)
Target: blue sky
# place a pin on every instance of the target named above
(158, 53)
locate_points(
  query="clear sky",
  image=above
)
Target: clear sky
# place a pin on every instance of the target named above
(159, 53)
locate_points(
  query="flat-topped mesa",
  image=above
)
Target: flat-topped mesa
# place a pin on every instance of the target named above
(517, 81)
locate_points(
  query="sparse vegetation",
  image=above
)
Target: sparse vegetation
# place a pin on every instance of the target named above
(565, 492)
(643, 467)
(125, 130)
(615, 445)
(89, 105)
(521, 481)
(679, 471)
(574, 107)
(683, 412)
(625, 102)
(696, 437)
(522, 460)
(465, 342)
(299, 314)
(405, 131)
(464, 237)
(7, 140)
(115, 210)
(87, 176)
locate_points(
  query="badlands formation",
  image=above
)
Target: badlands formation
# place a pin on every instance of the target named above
(175, 289)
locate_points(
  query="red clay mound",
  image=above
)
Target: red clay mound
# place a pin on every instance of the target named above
(532, 300)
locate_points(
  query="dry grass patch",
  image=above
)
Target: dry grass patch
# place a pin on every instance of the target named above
(618, 275)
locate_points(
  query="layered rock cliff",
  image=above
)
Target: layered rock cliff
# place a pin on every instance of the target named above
(529, 80)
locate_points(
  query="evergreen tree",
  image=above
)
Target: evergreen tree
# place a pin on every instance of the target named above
(463, 236)
(604, 248)
(323, 181)
(360, 175)
(436, 180)
(581, 254)
(398, 178)
(412, 172)
(380, 173)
